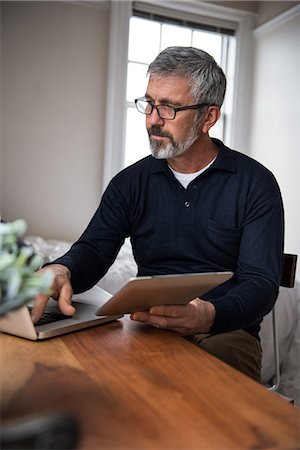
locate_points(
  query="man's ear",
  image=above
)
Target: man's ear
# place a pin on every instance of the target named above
(212, 115)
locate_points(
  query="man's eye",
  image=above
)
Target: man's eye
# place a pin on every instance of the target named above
(147, 107)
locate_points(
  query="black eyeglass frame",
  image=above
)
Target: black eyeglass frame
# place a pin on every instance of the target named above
(176, 110)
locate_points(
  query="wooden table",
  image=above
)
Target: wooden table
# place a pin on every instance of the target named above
(135, 387)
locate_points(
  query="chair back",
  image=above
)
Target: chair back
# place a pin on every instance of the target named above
(288, 270)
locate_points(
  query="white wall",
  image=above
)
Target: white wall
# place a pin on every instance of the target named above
(54, 77)
(276, 114)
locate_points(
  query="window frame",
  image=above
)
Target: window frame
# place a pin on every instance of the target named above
(115, 129)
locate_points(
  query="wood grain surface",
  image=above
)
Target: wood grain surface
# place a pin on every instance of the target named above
(131, 386)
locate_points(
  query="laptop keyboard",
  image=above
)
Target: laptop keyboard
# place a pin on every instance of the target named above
(50, 316)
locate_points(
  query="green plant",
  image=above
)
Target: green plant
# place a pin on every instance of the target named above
(18, 262)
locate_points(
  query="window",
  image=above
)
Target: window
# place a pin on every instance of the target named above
(147, 37)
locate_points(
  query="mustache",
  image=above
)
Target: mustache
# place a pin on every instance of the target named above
(157, 131)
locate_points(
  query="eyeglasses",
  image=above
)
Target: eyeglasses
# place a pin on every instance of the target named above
(164, 111)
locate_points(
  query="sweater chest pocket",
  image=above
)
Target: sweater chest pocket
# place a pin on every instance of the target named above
(225, 239)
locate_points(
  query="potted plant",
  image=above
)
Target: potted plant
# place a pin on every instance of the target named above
(18, 263)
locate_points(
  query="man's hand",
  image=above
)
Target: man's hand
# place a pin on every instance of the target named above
(61, 290)
(195, 317)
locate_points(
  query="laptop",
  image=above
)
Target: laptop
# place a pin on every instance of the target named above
(54, 323)
(140, 293)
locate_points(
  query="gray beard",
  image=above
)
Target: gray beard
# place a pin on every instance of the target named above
(172, 148)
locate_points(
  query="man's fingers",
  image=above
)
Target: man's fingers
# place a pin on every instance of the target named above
(195, 317)
(61, 290)
(64, 303)
(175, 311)
(141, 316)
(163, 316)
(38, 307)
(151, 319)
(65, 300)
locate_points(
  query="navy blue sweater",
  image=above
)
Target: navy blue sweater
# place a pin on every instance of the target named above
(229, 218)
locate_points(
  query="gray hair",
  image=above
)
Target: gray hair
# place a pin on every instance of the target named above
(206, 78)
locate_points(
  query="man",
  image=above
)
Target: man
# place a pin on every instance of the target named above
(196, 206)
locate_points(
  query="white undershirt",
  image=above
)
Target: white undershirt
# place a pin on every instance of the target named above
(185, 178)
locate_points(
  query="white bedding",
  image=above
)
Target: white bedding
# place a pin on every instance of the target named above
(287, 306)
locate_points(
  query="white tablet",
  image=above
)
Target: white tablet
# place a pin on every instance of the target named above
(140, 293)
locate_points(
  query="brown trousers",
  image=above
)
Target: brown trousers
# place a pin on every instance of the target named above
(237, 348)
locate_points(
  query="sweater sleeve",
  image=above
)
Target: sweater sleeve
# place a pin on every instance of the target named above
(252, 292)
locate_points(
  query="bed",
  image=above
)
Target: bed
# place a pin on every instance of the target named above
(287, 307)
